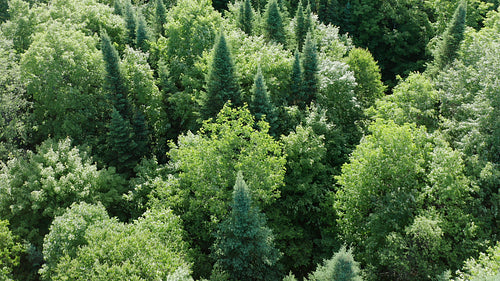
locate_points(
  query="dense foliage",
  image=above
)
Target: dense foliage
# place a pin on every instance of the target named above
(249, 140)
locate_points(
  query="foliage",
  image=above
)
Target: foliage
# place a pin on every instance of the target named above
(421, 219)
(149, 248)
(297, 95)
(261, 106)
(310, 70)
(341, 267)
(300, 28)
(207, 163)
(130, 23)
(245, 17)
(142, 37)
(369, 86)
(244, 246)
(222, 85)
(160, 17)
(273, 27)
(38, 187)
(485, 267)
(10, 250)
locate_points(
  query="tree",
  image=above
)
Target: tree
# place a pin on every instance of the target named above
(452, 38)
(130, 23)
(142, 37)
(297, 95)
(121, 146)
(261, 106)
(244, 246)
(273, 26)
(369, 86)
(245, 17)
(300, 27)
(10, 250)
(341, 267)
(486, 267)
(160, 18)
(4, 10)
(222, 84)
(310, 72)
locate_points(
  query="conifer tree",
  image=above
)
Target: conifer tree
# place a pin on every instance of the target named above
(273, 27)
(221, 81)
(261, 105)
(130, 23)
(142, 34)
(452, 38)
(341, 267)
(310, 66)
(245, 17)
(244, 246)
(121, 144)
(308, 18)
(4, 10)
(117, 6)
(300, 28)
(296, 96)
(160, 17)
(141, 135)
(114, 82)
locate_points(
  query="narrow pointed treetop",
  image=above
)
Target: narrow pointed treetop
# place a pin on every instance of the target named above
(142, 39)
(245, 17)
(308, 18)
(221, 81)
(160, 17)
(261, 105)
(310, 66)
(130, 23)
(300, 27)
(273, 27)
(296, 96)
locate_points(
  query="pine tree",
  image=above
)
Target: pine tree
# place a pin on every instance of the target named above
(452, 38)
(161, 18)
(117, 6)
(244, 246)
(4, 10)
(296, 96)
(310, 66)
(142, 39)
(300, 28)
(308, 18)
(341, 267)
(221, 81)
(245, 17)
(141, 135)
(261, 105)
(130, 23)
(120, 144)
(273, 27)
(114, 82)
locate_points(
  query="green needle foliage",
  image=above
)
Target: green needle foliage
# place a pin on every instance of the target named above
(310, 66)
(4, 10)
(300, 28)
(160, 18)
(296, 96)
(261, 106)
(117, 7)
(244, 246)
(142, 37)
(273, 27)
(245, 17)
(130, 23)
(221, 81)
(341, 267)
(121, 144)
(452, 38)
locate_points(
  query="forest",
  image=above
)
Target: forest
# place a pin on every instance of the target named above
(319, 140)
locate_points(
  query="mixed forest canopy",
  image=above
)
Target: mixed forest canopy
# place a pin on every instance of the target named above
(250, 140)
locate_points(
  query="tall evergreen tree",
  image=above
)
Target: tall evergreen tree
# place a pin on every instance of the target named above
(120, 144)
(4, 10)
(244, 246)
(296, 96)
(130, 23)
(310, 66)
(308, 18)
(115, 83)
(160, 17)
(261, 105)
(221, 81)
(117, 6)
(142, 37)
(300, 28)
(245, 17)
(141, 135)
(273, 27)
(452, 38)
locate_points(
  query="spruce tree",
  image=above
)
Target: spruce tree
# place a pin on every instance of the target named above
(117, 6)
(120, 144)
(296, 96)
(221, 81)
(4, 10)
(341, 267)
(245, 17)
(114, 82)
(261, 106)
(244, 246)
(300, 28)
(130, 23)
(273, 27)
(141, 135)
(310, 66)
(142, 34)
(452, 38)
(308, 18)
(160, 17)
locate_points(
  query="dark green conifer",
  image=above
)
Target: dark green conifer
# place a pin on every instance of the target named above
(117, 6)
(120, 144)
(308, 18)
(221, 81)
(130, 23)
(452, 37)
(245, 17)
(296, 96)
(114, 82)
(160, 17)
(273, 27)
(310, 67)
(300, 28)
(142, 39)
(4, 10)
(244, 246)
(261, 106)
(141, 135)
